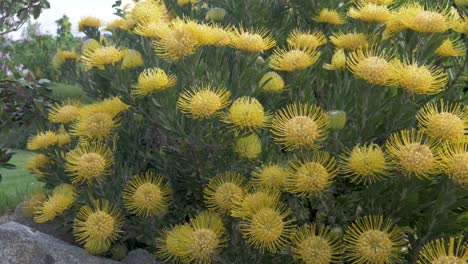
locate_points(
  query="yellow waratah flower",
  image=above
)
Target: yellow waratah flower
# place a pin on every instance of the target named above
(311, 176)
(117, 24)
(461, 26)
(365, 164)
(223, 190)
(101, 56)
(252, 40)
(444, 121)
(89, 22)
(153, 29)
(89, 162)
(248, 147)
(369, 12)
(153, 80)
(427, 21)
(292, 59)
(441, 251)
(300, 39)
(316, 244)
(270, 176)
(299, 126)
(420, 79)
(42, 140)
(272, 82)
(454, 162)
(36, 162)
(94, 125)
(202, 102)
(98, 226)
(371, 239)
(269, 228)
(144, 11)
(350, 41)
(253, 202)
(413, 154)
(338, 61)
(65, 112)
(146, 195)
(62, 198)
(451, 48)
(246, 113)
(372, 66)
(329, 16)
(31, 204)
(132, 59)
(61, 57)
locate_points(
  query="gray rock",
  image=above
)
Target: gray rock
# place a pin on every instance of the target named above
(20, 244)
(140, 256)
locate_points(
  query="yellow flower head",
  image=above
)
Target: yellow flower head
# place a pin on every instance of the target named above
(441, 251)
(89, 22)
(62, 198)
(248, 147)
(365, 164)
(444, 121)
(97, 226)
(186, 2)
(65, 112)
(420, 79)
(153, 29)
(316, 244)
(216, 35)
(169, 245)
(306, 40)
(180, 42)
(371, 239)
(90, 45)
(63, 138)
(292, 59)
(372, 66)
(215, 14)
(272, 82)
(270, 176)
(31, 204)
(349, 41)
(378, 2)
(311, 176)
(338, 61)
(223, 190)
(89, 162)
(268, 229)
(451, 48)
(427, 21)
(94, 125)
(132, 59)
(369, 12)
(329, 16)
(461, 25)
(253, 202)
(61, 57)
(413, 154)
(252, 40)
(101, 56)
(299, 126)
(202, 102)
(454, 162)
(42, 140)
(246, 113)
(112, 106)
(145, 11)
(153, 80)
(36, 162)
(117, 24)
(147, 195)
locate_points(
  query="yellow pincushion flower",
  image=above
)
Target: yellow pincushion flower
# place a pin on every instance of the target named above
(90, 45)
(223, 190)
(61, 57)
(65, 112)
(117, 24)
(365, 164)
(132, 59)
(153, 29)
(253, 202)
(42, 140)
(292, 59)
(378, 2)
(371, 239)
(372, 66)
(62, 198)
(31, 204)
(338, 61)
(349, 41)
(203, 102)
(89, 22)
(146, 195)
(454, 162)
(252, 40)
(112, 106)
(144, 11)
(186, 2)
(268, 229)
(461, 25)
(216, 35)
(101, 56)
(369, 12)
(444, 121)
(248, 147)
(311, 176)
(329, 16)
(306, 40)
(299, 126)
(413, 154)
(153, 80)
(270, 176)
(272, 82)
(63, 138)
(169, 245)
(451, 48)
(441, 251)
(98, 226)
(420, 79)
(94, 125)
(88, 163)
(36, 162)
(316, 244)
(427, 21)
(180, 42)
(246, 113)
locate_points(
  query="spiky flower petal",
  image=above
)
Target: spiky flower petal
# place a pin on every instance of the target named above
(203, 102)
(292, 59)
(441, 251)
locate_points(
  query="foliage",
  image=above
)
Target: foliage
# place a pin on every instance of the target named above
(14, 13)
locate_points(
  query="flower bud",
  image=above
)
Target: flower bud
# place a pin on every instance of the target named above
(337, 119)
(215, 14)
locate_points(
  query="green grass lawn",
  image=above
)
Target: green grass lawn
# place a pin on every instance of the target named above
(16, 183)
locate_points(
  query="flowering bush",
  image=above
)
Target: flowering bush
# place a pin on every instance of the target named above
(264, 131)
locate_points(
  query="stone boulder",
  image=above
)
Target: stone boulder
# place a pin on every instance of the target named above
(140, 256)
